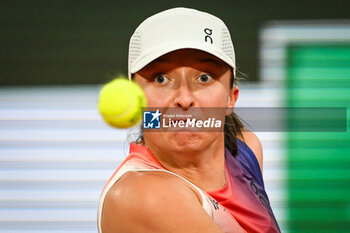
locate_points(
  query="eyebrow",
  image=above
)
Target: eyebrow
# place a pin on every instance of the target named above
(201, 60)
(160, 60)
(210, 60)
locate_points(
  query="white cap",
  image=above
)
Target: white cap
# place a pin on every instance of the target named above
(179, 28)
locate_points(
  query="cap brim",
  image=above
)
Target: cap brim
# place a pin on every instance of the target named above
(150, 56)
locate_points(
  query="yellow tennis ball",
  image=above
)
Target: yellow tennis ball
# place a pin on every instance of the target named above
(121, 102)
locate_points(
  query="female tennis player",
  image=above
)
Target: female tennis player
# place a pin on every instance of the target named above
(187, 181)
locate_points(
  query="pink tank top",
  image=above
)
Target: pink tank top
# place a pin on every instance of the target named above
(142, 159)
(241, 205)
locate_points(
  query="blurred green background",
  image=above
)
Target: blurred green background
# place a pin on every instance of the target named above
(318, 75)
(85, 42)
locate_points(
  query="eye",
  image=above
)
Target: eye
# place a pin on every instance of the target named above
(161, 79)
(204, 78)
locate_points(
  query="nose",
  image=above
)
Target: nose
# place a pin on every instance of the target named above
(184, 97)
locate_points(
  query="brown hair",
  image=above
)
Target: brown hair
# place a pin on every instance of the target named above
(233, 125)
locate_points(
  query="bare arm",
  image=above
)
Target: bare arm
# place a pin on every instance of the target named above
(154, 202)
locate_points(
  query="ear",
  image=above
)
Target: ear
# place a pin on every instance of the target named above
(234, 93)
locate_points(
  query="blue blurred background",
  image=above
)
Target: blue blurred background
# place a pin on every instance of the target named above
(56, 153)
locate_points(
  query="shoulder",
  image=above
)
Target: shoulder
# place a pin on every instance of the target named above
(145, 189)
(146, 184)
(253, 142)
(155, 200)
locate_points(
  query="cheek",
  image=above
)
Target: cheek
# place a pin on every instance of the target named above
(157, 97)
(213, 97)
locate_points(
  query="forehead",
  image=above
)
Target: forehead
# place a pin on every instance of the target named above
(188, 57)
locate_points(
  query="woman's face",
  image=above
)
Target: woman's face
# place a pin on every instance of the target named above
(186, 79)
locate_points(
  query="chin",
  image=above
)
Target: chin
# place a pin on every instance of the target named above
(184, 142)
(187, 141)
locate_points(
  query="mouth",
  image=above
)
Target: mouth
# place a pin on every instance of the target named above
(179, 120)
(183, 125)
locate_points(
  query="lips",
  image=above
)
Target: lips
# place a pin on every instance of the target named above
(179, 119)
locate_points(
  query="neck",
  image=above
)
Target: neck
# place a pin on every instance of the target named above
(204, 168)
